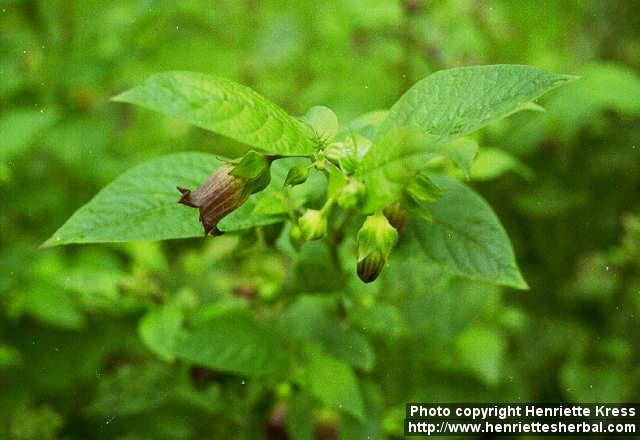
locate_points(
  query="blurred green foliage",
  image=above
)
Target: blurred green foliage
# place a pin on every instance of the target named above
(86, 332)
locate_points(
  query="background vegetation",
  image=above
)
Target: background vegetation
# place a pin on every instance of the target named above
(79, 352)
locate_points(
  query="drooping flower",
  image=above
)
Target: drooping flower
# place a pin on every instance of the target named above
(376, 239)
(226, 189)
(313, 224)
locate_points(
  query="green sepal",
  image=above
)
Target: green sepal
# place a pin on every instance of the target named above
(422, 189)
(352, 194)
(313, 224)
(255, 169)
(376, 235)
(297, 175)
(251, 165)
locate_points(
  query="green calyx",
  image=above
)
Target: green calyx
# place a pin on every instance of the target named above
(295, 236)
(297, 175)
(254, 169)
(343, 154)
(313, 224)
(351, 195)
(420, 193)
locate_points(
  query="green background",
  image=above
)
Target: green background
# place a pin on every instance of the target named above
(74, 358)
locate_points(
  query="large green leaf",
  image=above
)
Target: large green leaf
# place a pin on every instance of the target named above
(466, 238)
(233, 342)
(453, 302)
(391, 162)
(141, 204)
(482, 351)
(452, 103)
(311, 318)
(492, 163)
(159, 329)
(444, 106)
(335, 384)
(20, 128)
(225, 107)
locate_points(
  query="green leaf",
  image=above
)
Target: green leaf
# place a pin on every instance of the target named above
(334, 383)
(9, 356)
(365, 125)
(50, 305)
(225, 107)
(443, 106)
(492, 163)
(300, 417)
(462, 152)
(313, 318)
(452, 302)
(233, 342)
(141, 204)
(380, 319)
(482, 350)
(392, 162)
(307, 318)
(350, 346)
(20, 128)
(159, 329)
(370, 428)
(323, 121)
(606, 383)
(452, 103)
(41, 423)
(450, 313)
(466, 238)
(135, 390)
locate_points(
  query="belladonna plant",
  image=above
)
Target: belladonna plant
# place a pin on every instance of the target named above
(312, 210)
(385, 179)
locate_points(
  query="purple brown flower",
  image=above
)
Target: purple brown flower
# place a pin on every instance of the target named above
(370, 267)
(218, 196)
(228, 188)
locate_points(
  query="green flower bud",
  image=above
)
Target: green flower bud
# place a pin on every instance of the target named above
(295, 236)
(376, 240)
(226, 189)
(297, 175)
(313, 224)
(351, 195)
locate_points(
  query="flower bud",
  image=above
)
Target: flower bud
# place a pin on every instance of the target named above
(295, 236)
(370, 267)
(313, 224)
(343, 154)
(376, 239)
(351, 194)
(297, 175)
(226, 189)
